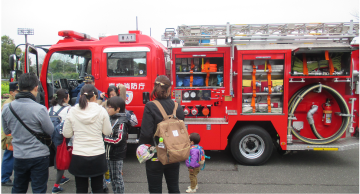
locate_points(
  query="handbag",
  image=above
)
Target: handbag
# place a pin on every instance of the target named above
(42, 137)
(63, 156)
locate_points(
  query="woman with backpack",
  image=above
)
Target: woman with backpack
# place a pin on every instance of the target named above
(88, 121)
(152, 116)
(60, 108)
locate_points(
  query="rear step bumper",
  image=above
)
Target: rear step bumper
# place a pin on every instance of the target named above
(133, 140)
(339, 145)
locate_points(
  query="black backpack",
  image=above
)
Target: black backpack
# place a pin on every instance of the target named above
(57, 136)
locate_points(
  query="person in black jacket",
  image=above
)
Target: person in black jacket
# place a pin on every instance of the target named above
(115, 143)
(152, 116)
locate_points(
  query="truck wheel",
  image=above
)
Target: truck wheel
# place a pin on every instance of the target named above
(251, 145)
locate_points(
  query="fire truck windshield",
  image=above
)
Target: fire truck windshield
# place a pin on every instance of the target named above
(69, 65)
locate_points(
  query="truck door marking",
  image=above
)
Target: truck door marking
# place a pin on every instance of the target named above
(129, 97)
(134, 86)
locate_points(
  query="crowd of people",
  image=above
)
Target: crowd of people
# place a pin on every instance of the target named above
(96, 128)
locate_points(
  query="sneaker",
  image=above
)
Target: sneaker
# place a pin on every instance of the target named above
(189, 187)
(57, 190)
(7, 183)
(106, 190)
(64, 180)
(189, 190)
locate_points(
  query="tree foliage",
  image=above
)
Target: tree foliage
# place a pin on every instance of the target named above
(7, 48)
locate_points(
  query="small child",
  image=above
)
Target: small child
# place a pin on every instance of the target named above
(193, 165)
(115, 143)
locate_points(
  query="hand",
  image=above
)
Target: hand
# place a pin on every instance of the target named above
(102, 95)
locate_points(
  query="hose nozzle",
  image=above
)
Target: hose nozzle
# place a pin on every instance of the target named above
(309, 117)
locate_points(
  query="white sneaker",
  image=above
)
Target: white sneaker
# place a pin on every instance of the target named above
(189, 187)
(189, 190)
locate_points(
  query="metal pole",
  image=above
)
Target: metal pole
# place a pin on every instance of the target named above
(26, 60)
(136, 23)
(150, 31)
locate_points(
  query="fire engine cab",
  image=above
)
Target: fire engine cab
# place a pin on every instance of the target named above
(246, 87)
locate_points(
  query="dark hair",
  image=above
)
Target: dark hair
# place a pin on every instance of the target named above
(195, 137)
(162, 83)
(112, 88)
(59, 97)
(86, 93)
(116, 102)
(28, 81)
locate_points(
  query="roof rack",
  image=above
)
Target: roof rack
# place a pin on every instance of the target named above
(342, 32)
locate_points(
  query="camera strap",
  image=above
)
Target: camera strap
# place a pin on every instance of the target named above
(18, 118)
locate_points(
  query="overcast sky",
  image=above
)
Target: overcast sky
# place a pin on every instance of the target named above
(47, 17)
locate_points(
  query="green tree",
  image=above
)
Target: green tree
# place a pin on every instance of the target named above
(7, 48)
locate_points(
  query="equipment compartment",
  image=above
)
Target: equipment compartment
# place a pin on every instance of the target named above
(321, 63)
(197, 72)
(263, 84)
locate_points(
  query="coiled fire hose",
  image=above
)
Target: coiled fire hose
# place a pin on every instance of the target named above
(299, 96)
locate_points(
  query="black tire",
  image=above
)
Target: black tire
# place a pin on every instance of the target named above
(256, 145)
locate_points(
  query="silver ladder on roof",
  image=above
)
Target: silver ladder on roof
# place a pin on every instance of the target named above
(342, 32)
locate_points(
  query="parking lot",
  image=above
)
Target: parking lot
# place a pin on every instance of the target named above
(301, 172)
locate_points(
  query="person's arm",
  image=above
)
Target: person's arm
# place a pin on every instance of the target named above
(106, 129)
(99, 102)
(119, 137)
(147, 126)
(67, 128)
(45, 121)
(4, 122)
(103, 104)
(132, 118)
(77, 99)
(180, 112)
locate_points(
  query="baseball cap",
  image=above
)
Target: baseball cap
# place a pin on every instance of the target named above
(13, 86)
(89, 78)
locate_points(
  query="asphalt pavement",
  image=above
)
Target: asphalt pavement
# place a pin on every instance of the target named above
(301, 172)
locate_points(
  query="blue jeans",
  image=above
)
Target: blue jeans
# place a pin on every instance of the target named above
(7, 166)
(36, 169)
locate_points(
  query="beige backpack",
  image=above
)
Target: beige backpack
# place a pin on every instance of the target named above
(176, 142)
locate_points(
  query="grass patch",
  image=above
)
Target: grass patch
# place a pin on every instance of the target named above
(4, 88)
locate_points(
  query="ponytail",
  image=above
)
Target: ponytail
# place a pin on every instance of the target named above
(86, 93)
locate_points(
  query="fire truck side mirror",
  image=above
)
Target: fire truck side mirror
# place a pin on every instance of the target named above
(13, 62)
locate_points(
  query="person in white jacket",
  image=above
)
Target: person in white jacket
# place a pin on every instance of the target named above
(87, 121)
(60, 107)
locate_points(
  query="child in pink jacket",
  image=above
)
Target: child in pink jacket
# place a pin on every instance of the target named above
(192, 164)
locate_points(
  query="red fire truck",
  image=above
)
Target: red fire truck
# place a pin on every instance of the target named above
(246, 87)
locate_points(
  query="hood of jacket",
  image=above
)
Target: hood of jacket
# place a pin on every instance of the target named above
(88, 115)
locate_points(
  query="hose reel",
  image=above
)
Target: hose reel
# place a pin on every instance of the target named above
(299, 96)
